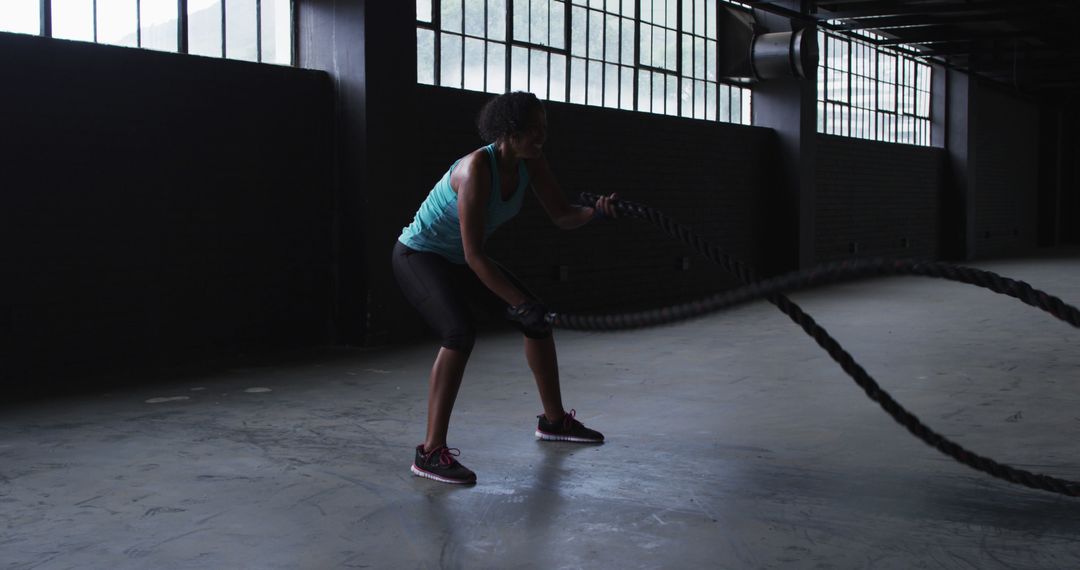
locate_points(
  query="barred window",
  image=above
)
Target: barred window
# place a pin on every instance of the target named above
(251, 30)
(872, 92)
(591, 52)
(470, 45)
(602, 50)
(538, 48)
(698, 91)
(658, 65)
(20, 16)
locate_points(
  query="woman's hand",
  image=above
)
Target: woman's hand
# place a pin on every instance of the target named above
(604, 207)
(531, 315)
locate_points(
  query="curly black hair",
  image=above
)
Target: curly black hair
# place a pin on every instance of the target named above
(506, 115)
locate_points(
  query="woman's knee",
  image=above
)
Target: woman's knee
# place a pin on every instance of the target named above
(461, 339)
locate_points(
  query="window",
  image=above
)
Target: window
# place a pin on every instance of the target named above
(471, 44)
(20, 16)
(204, 20)
(699, 59)
(251, 30)
(591, 52)
(658, 64)
(538, 48)
(157, 25)
(276, 35)
(872, 92)
(602, 54)
(74, 20)
(117, 22)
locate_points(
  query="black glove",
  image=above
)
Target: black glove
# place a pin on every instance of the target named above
(531, 315)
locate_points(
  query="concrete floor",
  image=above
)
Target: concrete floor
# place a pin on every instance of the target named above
(733, 442)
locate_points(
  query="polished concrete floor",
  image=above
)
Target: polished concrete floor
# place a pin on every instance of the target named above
(733, 442)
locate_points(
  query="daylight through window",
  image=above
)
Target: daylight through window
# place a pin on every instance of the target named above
(871, 92)
(251, 30)
(592, 52)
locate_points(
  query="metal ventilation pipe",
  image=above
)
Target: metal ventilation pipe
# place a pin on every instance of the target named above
(784, 54)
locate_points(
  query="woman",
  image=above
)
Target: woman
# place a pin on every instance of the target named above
(440, 264)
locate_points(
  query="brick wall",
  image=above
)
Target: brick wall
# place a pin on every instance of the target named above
(157, 209)
(712, 177)
(876, 199)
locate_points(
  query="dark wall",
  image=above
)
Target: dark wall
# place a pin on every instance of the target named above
(954, 134)
(713, 177)
(1059, 185)
(1005, 154)
(1069, 200)
(877, 199)
(157, 208)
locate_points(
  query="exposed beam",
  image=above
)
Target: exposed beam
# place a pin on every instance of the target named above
(907, 9)
(1071, 84)
(838, 5)
(1025, 45)
(972, 47)
(952, 35)
(778, 10)
(907, 22)
(1058, 66)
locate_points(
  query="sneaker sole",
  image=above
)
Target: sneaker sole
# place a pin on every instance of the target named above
(552, 437)
(429, 475)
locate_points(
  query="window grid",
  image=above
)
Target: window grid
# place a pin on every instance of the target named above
(124, 24)
(698, 79)
(658, 63)
(538, 41)
(592, 52)
(870, 92)
(602, 53)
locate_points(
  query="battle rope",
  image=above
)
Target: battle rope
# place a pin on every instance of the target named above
(771, 289)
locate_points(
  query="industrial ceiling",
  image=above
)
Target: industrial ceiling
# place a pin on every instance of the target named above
(1028, 45)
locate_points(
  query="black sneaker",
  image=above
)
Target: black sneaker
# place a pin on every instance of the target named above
(439, 464)
(569, 429)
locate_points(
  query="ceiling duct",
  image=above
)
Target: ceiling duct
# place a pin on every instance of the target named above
(784, 54)
(749, 54)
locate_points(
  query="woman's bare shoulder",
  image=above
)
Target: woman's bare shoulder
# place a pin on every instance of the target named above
(474, 164)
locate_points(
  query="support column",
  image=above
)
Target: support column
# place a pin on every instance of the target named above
(789, 107)
(393, 191)
(958, 204)
(368, 47)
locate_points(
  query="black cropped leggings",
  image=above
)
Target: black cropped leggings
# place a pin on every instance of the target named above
(443, 291)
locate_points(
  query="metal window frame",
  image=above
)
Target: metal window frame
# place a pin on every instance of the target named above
(258, 31)
(45, 9)
(604, 58)
(885, 123)
(182, 44)
(435, 25)
(676, 76)
(224, 30)
(530, 46)
(687, 75)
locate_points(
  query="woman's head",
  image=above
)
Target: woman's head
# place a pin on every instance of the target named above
(516, 119)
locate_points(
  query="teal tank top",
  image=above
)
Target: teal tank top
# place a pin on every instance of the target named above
(437, 228)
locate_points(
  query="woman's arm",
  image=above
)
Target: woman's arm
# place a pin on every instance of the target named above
(565, 215)
(473, 191)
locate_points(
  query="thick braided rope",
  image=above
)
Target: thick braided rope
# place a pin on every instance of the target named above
(771, 290)
(823, 275)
